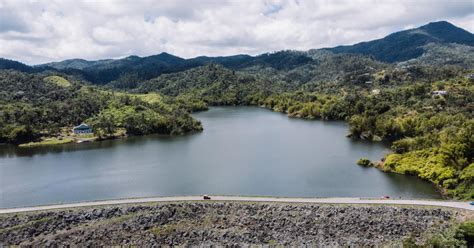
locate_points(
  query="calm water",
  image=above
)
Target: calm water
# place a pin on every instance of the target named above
(242, 151)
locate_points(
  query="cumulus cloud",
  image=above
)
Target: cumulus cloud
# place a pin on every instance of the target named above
(38, 31)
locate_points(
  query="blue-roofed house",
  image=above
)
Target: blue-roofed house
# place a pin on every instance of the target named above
(82, 129)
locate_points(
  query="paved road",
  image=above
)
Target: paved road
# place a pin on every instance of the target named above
(451, 204)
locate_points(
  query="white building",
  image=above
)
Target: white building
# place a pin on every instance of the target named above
(439, 92)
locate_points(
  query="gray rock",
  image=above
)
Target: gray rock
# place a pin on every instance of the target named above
(222, 224)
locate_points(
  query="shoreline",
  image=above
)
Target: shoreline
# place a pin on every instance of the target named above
(379, 166)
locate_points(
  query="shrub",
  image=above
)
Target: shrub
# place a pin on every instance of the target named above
(466, 231)
(364, 162)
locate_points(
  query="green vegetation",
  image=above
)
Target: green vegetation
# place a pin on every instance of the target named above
(47, 142)
(460, 235)
(32, 109)
(364, 162)
(466, 231)
(60, 81)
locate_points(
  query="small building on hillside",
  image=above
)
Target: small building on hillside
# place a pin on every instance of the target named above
(439, 92)
(82, 129)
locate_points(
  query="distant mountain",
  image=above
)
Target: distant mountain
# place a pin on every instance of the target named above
(234, 61)
(213, 84)
(444, 54)
(282, 60)
(197, 78)
(14, 65)
(409, 44)
(129, 69)
(350, 68)
(434, 44)
(127, 72)
(74, 64)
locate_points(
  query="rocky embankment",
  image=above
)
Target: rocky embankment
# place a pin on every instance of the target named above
(223, 223)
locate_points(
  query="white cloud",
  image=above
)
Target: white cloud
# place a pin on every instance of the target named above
(43, 31)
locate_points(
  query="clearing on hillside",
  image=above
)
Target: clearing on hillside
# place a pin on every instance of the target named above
(60, 81)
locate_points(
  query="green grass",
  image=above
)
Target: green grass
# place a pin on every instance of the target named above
(150, 97)
(47, 142)
(60, 81)
(85, 136)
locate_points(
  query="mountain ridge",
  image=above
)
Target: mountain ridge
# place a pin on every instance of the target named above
(408, 44)
(437, 32)
(442, 41)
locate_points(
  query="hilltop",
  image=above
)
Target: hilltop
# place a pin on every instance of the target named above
(410, 44)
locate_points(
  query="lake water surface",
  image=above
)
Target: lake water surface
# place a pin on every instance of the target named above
(242, 151)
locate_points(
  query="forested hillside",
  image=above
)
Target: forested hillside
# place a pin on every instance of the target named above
(14, 65)
(409, 44)
(130, 71)
(32, 107)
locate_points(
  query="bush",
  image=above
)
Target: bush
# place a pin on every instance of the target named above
(364, 162)
(21, 134)
(466, 231)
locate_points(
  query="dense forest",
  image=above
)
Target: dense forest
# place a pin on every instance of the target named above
(423, 105)
(35, 105)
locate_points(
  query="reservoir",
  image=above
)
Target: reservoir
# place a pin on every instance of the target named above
(242, 151)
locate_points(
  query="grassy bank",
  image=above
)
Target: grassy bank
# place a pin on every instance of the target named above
(47, 142)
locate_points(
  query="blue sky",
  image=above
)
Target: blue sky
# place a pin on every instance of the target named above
(36, 31)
